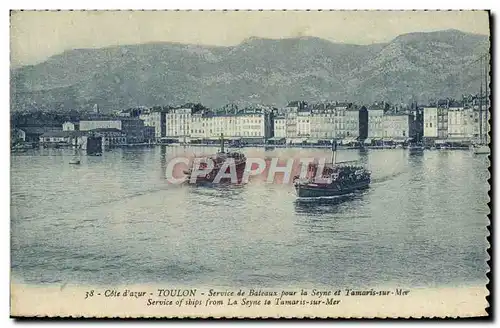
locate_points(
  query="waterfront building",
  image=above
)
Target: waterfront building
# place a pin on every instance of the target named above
(457, 124)
(251, 125)
(418, 121)
(291, 124)
(363, 123)
(442, 122)
(17, 136)
(464, 124)
(158, 121)
(459, 120)
(398, 127)
(375, 123)
(322, 122)
(335, 121)
(101, 122)
(198, 122)
(150, 134)
(33, 133)
(71, 126)
(340, 122)
(133, 127)
(60, 137)
(350, 124)
(178, 123)
(279, 126)
(303, 123)
(109, 136)
(430, 122)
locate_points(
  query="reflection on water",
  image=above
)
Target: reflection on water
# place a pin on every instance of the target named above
(115, 219)
(226, 191)
(325, 205)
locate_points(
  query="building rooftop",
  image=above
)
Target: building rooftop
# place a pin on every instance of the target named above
(63, 134)
(229, 114)
(109, 118)
(104, 130)
(396, 114)
(40, 129)
(376, 107)
(331, 105)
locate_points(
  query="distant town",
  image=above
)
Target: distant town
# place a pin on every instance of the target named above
(446, 122)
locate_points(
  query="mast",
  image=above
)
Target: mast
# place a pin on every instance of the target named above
(222, 142)
(486, 99)
(481, 101)
(334, 151)
(76, 146)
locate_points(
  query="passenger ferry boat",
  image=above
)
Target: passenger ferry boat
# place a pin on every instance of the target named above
(337, 179)
(219, 159)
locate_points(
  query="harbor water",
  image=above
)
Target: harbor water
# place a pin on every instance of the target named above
(115, 219)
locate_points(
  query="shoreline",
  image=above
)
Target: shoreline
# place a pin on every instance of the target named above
(328, 147)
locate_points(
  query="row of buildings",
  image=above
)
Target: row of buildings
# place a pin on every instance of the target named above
(296, 123)
(186, 124)
(300, 122)
(455, 124)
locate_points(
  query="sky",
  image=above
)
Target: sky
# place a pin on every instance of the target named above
(37, 35)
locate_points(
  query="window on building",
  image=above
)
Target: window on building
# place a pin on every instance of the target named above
(430, 125)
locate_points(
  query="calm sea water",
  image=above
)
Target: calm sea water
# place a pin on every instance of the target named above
(114, 219)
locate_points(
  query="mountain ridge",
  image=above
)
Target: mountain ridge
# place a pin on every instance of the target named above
(258, 70)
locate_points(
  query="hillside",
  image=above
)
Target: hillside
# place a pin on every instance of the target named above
(418, 65)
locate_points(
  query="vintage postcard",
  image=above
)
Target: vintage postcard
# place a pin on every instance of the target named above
(250, 164)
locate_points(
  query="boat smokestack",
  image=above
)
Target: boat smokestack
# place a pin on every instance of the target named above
(222, 142)
(334, 151)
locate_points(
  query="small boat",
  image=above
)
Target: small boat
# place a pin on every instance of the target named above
(480, 149)
(337, 179)
(74, 161)
(235, 144)
(416, 147)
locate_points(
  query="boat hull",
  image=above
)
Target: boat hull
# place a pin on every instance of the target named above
(210, 177)
(309, 190)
